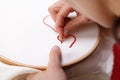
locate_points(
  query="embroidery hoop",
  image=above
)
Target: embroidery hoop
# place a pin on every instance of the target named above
(11, 62)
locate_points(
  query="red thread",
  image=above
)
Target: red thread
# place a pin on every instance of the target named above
(67, 37)
(58, 36)
(47, 24)
(116, 66)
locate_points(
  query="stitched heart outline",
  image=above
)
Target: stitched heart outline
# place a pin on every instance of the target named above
(74, 38)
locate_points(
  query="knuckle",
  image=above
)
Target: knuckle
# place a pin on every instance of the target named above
(60, 15)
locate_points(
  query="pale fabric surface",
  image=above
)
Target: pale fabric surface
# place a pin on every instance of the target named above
(9, 72)
(97, 66)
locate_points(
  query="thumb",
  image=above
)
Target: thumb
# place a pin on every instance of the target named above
(54, 58)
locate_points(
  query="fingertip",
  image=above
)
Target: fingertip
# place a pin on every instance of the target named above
(66, 31)
(55, 48)
(55, 57)
(60, 32)
(55, 51)
(61, 36)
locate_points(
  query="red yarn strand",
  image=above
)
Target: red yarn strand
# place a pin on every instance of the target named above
(58, 36)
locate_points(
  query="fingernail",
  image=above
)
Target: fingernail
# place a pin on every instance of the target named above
(66, 32)
(56, 48)
(61, 37)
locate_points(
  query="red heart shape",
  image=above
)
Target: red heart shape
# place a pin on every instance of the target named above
(68, 37)
(58, 36)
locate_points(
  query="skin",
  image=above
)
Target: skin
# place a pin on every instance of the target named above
(53, 71)
(99, 11)
(59, 12)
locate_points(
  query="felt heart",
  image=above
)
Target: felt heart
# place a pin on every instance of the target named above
(74, 38)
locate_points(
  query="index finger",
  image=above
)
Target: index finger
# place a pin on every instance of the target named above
(60, 19)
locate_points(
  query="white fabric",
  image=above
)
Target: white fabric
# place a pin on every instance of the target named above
(97, 66)
(9, 72)
(24, 38)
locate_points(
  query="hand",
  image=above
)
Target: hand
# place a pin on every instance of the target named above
(59, 11)
(53, 71)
